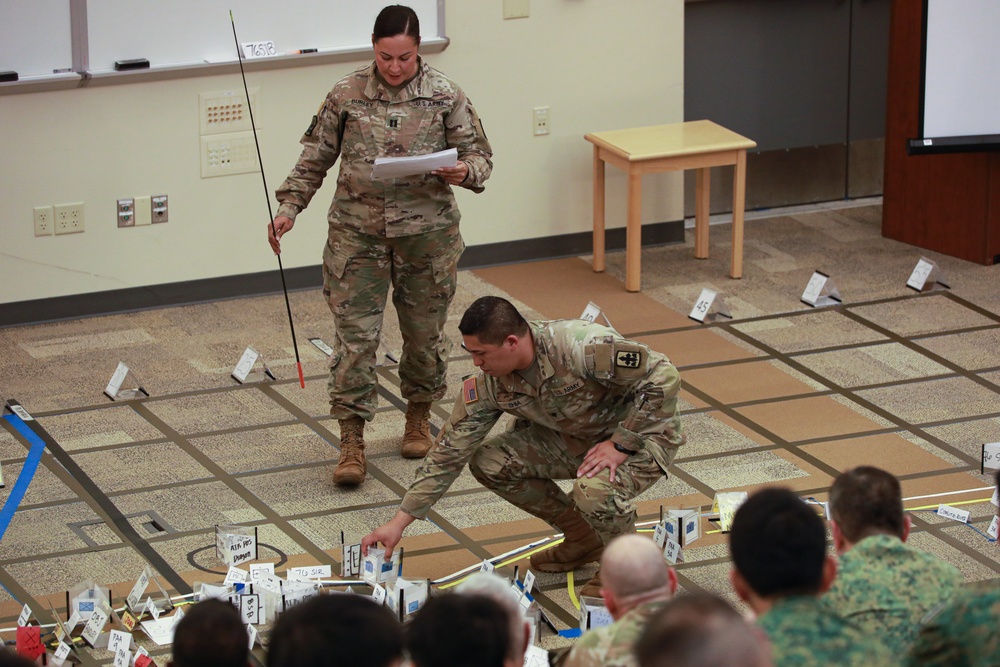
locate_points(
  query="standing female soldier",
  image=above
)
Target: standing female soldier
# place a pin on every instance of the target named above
(402, 230)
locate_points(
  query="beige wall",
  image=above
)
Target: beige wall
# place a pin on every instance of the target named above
(599, 65)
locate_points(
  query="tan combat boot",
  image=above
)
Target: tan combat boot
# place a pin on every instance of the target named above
(593, 587)
(351, 466)
(417, 433)
(580, 545)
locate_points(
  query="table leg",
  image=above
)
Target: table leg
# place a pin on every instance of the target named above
(702, 206)
(598, 211)
(739, 201)
(633, 233)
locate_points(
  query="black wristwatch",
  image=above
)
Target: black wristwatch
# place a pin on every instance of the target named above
(623, 450)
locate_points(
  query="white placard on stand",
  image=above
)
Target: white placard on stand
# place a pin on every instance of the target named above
(124, 375)
(245, 371)
(926, 276)
(820, 291)
(709, 307)
(991, 457)
(592, 312)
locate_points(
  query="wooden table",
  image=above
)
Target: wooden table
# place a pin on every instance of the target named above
(700, 145)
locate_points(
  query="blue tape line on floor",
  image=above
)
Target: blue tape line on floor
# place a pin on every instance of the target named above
(570, 633)
(27, 472)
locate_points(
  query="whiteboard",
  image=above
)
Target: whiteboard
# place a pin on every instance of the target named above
(36, 35)
(961, 69)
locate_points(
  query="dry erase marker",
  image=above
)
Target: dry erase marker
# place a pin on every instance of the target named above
(299, 51)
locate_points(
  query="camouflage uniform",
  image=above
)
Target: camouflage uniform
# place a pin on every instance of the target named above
(964, 633)
(803, 632)
(885, 587)
(611, 645)
(403, 230)
(592, 385)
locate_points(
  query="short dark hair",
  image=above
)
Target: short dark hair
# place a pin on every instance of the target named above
(867, 501)
(778, 544)
(698, 630)
(491, 319)
(211, 634)
(396, 20)
(336, 629)
(453, 630)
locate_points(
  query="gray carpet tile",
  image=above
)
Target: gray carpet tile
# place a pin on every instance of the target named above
(872, 364)
(935, 400)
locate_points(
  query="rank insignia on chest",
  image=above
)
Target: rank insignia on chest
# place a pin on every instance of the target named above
(470, 392)
(627, 359)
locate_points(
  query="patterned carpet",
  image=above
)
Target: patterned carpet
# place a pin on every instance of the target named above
(781, 394)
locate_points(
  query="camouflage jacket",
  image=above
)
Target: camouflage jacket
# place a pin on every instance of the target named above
(361, 120)
(611, 645)
(803, 632)
(885, 587)
(965, 633)
(593, 385)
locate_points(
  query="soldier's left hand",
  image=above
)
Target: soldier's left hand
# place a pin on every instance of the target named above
(600, 456)
(453, 175)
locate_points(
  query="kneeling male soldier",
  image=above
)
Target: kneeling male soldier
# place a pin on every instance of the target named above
(590, 406)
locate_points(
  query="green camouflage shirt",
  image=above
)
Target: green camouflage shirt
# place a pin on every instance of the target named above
(885, 587)
(593, 385)
(611, 645)
(804, 633)
(361, 120)
(965, 633)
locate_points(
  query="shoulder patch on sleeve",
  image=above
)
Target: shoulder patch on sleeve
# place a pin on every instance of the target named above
(470, 390)
(630, 359)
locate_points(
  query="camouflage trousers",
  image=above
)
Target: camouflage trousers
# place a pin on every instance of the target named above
(357, 271)
(520, 466)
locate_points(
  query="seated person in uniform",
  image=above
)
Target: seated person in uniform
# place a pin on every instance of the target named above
(883, 585)
(336, 631)
(701, 630)
(778, 548)
(637, 583)
(964, 633)
(590, 405)
(211, 634)
(460, 630)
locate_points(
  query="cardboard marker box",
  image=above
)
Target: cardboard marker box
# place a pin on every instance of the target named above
(378, 570)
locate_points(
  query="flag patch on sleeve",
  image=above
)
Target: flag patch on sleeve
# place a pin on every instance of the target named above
(470, 392)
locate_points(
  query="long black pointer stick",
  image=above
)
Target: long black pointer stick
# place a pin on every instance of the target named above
(267, 196)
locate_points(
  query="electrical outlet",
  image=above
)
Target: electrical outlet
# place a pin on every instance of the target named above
(540, 119)
(159, 208)
(143, 211)
(43, 220)
(68, 218)
(126, 213)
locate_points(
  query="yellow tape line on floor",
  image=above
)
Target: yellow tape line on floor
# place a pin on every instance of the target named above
(513, 559)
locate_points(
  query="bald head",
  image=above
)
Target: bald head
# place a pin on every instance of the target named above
(633, 566)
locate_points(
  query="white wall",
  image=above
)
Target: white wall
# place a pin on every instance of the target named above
(599, 65)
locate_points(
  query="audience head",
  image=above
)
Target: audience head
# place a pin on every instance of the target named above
(700, 630)
(335, 630)
(11, 658)
(634, 571)
(211, 634)
(866, 501)
(454, 630)
(498, 589)
(491, 320)
(778, 549)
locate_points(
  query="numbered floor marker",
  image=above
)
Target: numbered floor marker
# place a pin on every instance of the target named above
(991, 457)
(124, 385)
(592, 312)
(709, 307)
(820, 291)
(926, 276)
(252, 368)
